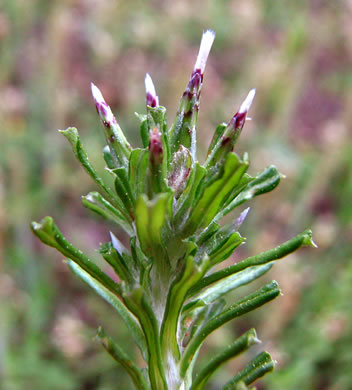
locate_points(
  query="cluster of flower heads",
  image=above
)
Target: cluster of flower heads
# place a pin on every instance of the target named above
(194, 86)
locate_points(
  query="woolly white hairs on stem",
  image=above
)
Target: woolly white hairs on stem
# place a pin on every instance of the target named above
(204, 49)
(247, 102)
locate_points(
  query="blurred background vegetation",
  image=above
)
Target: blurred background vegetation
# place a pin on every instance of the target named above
(298, 54)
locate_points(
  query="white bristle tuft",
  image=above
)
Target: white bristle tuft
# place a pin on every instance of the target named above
(204, 49)
(150, 88)
(149, 85)
(97, 95)
(247, 102)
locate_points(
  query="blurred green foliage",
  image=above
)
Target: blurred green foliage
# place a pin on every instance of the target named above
(299, 57)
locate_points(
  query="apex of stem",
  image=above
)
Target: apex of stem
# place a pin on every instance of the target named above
(204, 50)
(245, 106)
(102, 107)
(151, 96)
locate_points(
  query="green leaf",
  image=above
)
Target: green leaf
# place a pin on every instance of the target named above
(144, 132)
(227, 285)
(151, 217)
(201, 317)
(124, 191)
(109, 159)
(122, 268)
(258, 367)
(249, 303)
(226, 139)
(266, 181)
(218, 133)
(95, 202)
(191, 273)
(142, 263)
(216, 194)
(116, 303)
(137, 173)
(138, 304)
(220, 245)
(239, 346)
(302, 239)
(47, 231)
(121, 357)
(185, 202)
(72, 136)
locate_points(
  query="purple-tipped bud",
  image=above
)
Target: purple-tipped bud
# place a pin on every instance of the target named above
(204, 49)
(240, 219)
(239, 118)
(155, 147)
(152, 98)
(245, 106)
(103, 109)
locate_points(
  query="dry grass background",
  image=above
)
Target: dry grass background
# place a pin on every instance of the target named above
(299, 57)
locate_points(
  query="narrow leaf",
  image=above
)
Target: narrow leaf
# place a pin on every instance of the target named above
(258, 367)
(302, 239)
(249, 303)
(110, 163)
(124, 191)
(215, 194)
(72, 136)
(191, 273)
(228, 284)
(122, 268)
(264, 182)
(151, 217)
(240, 345)
(185, 202)
(137, 172)
(95, 202)
(121, 357)
(116, 303)
(47, 231)
(219, 131)
(138, 304)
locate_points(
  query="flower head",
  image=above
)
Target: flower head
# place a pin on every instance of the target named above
(103, 109)
(204, 49)
(240, 117)
(152, 98)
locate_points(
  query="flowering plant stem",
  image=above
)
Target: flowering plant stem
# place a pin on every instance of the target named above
(168, 208)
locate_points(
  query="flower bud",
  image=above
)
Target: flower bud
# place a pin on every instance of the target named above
(204, 50)
(151, 97)
(155, 147)
(119, 146)
(103, 109)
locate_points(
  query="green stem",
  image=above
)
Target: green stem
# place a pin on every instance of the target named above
(138, 305)
(176, 297)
